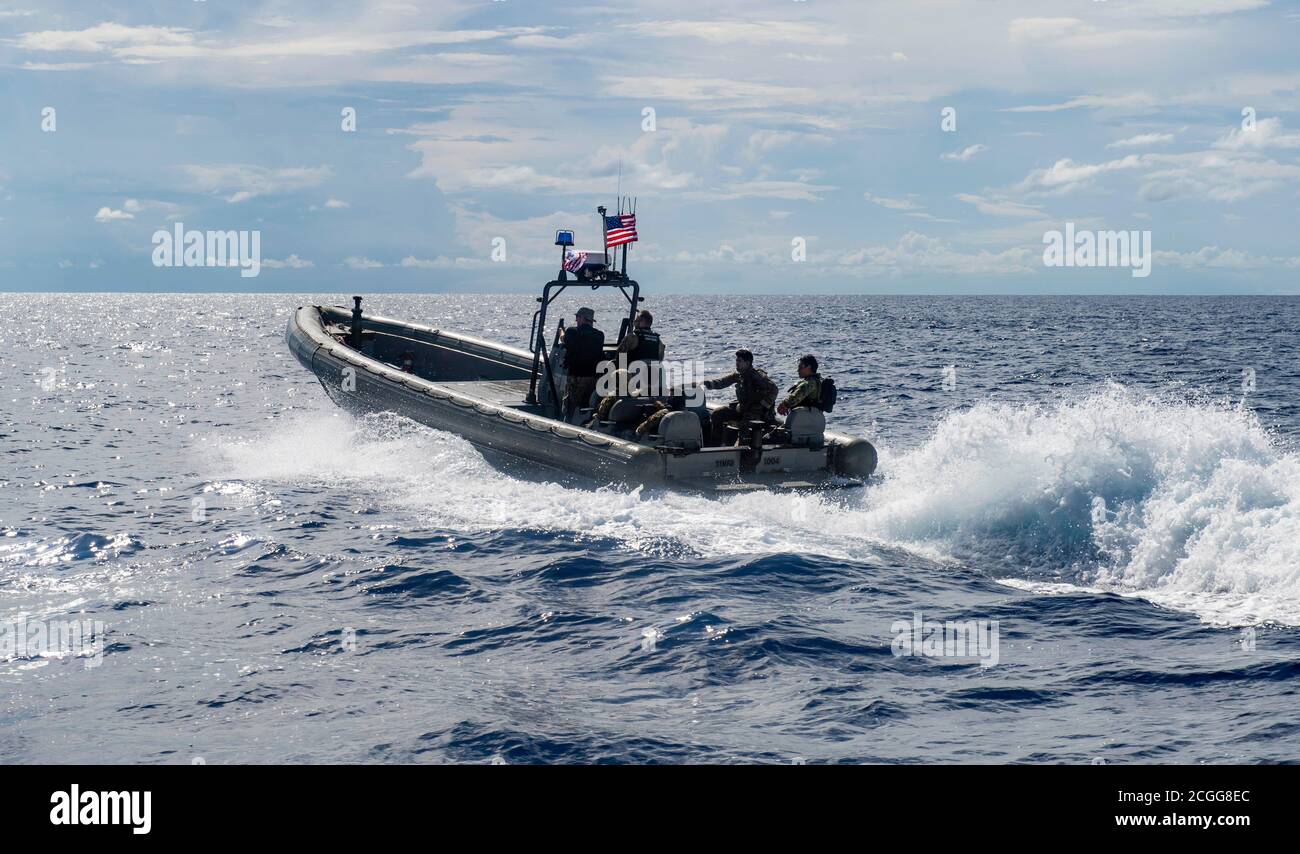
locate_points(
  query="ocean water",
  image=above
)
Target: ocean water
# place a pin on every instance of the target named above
(1111, 483)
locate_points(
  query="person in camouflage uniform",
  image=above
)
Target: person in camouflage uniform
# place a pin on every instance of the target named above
(651, 423)
(623, 387)
(626, 387)
(806, 392)
(755, 395)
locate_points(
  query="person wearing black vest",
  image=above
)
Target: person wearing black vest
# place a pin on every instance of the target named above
(584, 350)
(642, 344)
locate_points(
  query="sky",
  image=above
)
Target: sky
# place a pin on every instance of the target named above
(925, 146)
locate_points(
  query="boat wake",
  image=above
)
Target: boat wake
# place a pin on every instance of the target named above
(1190, 505)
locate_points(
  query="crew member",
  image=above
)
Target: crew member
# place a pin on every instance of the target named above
(642, 345)
(584, 348)
(806, 392)
(621, 386)
(755, 395)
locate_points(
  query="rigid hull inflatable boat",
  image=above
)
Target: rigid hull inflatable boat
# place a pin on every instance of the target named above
(505, 400)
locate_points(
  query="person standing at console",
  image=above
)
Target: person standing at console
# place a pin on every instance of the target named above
(584, 349)
(642, 344)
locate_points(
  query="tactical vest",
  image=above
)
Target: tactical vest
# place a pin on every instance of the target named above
(751, 388)
(647, 348)
(815, 397)
(583, 350)
(814, 391)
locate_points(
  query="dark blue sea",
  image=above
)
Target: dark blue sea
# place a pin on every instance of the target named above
(1113, 484)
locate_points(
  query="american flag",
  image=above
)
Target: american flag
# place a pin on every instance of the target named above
(620, 229)
(573, 261)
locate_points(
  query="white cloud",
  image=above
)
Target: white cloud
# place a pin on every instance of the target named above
(339, 43)
(361, 263)
(918, 253)
(478, 149)
(57, 66)
(892, 204)
(1268, 133)
(1065, 175)
(1056, 34)
(1220, 176)
(278, 22)
(336, 204)
(711, 90)
(248, 181)
(103, 37)
(424, 264)
(966, 153)
(999, 207)
(293, 262)
(787, 190)
(527, 240)
(1142, 140)
(576, 41)
(928, 217)
(443, 262)
(1214, 258)
(765, 141)
(1129, 101)
(742, 32)
(178, 43)
(107, 214)
(170, 210)
(1044, 29)
(1189, 8)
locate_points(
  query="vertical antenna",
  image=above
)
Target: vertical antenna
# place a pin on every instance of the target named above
(631, 208)
(604, 232)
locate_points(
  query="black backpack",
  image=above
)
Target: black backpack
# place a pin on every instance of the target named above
(826, 401)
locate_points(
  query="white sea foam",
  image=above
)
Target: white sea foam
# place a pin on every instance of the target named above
(436, 479)
(1190, 505)
(1194, 506)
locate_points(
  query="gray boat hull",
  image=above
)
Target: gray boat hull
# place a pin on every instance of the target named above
(476, 389)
